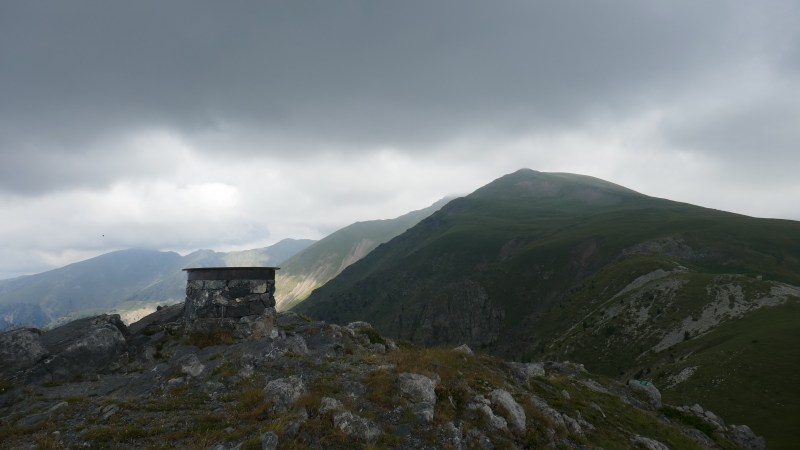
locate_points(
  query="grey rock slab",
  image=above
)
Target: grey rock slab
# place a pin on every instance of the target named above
(85, 345)
(359, 325)
(509, 408)
(648, 443)
(328, 404)
(173, 382)
(482, 405)
(745, 437)
(572, 425)
(61, 338)
(714, 420)
(417, 388)
(549, 411)
(478, 440)
(567, 368)
(107, 411)
(597, 408)
(164, 315)
(378, 348)
(463, 348)
(451, 436)
(356, 426)
(269, 441)
(583, 422)
(700, 437)
(595, 386)
(648, 390)
(420, 391)
(280, 346)
(526, 371)
(191, 366)
(20, 349)
(221, 446)
(283, 392)
(35, 419)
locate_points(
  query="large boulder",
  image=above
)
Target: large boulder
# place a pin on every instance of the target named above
(526, 371)
(92, 344)
(482, 405)
(283, 392)
(509, 408)
(164, 315)
(356, 426)
(20, 349)
(420, 391)
(647, 443)
(647, 392)
(743, 435)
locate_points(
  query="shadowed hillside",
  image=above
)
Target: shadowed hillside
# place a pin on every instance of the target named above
(327, 257)
(557, 265)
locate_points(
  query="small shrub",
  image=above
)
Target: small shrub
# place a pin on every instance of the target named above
(227, 368)
(252, 405)
(380, 386)
(48, 442)
(374, 336)
(5, 385)
(254, 443)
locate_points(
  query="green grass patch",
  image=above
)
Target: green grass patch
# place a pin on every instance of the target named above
(746, 373)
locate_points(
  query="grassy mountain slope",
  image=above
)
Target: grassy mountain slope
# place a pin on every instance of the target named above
(326, 258)
(538, 265)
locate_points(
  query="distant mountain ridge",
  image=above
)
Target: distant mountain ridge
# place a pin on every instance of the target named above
(549, 265)
(139, 277)
(132, 282)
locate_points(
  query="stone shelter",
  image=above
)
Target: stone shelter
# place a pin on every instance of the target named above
(227, 296)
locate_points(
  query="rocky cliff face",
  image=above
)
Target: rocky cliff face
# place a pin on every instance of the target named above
(165, 382)
(472, 318)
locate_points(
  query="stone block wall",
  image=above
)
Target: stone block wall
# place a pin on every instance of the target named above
(229, 299)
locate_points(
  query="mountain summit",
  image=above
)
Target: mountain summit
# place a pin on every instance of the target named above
(572, 267)
(561, 187)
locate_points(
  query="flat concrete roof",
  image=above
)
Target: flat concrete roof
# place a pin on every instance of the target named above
(231, 273)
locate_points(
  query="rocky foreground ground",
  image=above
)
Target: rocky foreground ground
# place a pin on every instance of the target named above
(163, 383)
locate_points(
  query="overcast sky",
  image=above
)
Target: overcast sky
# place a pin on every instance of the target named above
(233, 124)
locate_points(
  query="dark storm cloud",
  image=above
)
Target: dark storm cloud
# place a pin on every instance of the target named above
(405, 74)
(168, 121)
